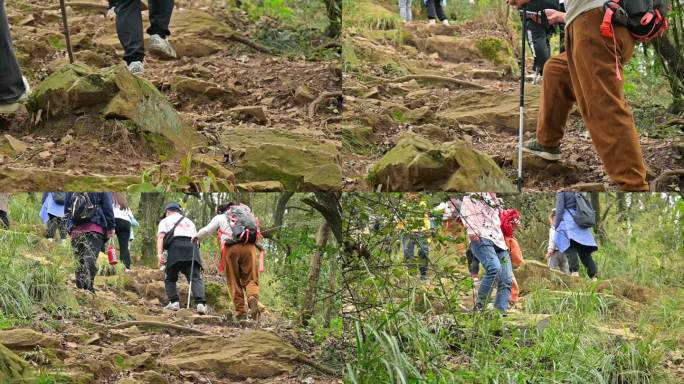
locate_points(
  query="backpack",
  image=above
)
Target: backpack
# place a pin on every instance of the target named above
(584, 217)
(645, 19)
(59, 197)
(82, 208)
(243, 224)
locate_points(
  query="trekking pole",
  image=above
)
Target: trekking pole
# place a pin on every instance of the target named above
(67, 36)
(522, 100)
(192, 267)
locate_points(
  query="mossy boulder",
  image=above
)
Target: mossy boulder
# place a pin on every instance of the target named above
(28, 179)
(114, 93)
(495, 50)
(468, 50)
(492, 108)
(24, 339)
(198, 33)
(416, 164)
(253, 354)
(299, 162)
(217, 296)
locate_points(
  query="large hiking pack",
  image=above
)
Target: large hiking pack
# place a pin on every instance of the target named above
(645, 19)
(59, 197)
(585, 216)
(82, 208)
(243, 224)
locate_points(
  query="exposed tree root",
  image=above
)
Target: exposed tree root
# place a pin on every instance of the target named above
(159, 325)
(450, 80)
(655, 184)
(317, 366)
(241, 39)
(319, 99)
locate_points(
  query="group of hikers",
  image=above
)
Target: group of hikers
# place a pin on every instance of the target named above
(92, 220)
(435, 11)
(490, 231)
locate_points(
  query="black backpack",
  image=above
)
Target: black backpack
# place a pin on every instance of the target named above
(82, 208)
(59, 197)
(585, 216)
(645, 19)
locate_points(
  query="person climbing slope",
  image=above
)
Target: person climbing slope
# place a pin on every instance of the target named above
(52, 214)
(539, 33)
(510, 220)
(415, 228)
(405, 11)
(90, 220)
(572, 239)
(123, 217)
(4, 210)
(178, 254)
(589, 73)
(555, 258)
(129, 28)
(435, 10)
(14, 88)
(480, 214)
(238, 233)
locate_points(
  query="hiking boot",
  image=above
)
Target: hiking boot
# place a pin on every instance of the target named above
(202, 309)
(136, 67)
(445, 22)
(548, 153)
(172, 306)
(161, 48)
(253, 304)
(431, 22)
(13, 106)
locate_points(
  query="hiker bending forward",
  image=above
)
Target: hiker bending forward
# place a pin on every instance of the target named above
(238, 258)
(182, 256)
(480, 214)
(589, 73)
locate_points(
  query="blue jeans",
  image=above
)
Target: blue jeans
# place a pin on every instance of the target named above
(497, 265)
(409, 241)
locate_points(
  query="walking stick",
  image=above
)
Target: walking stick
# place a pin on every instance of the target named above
(67, 36)
(522, 100)
(192, 267)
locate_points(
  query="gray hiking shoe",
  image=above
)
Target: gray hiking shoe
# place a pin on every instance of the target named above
(161, 48)
(136, 67)
(548, 153)
(14, 106)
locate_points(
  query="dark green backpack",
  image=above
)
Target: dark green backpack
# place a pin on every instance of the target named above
(585, 216)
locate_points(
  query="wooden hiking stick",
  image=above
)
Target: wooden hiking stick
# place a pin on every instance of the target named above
(67, 36)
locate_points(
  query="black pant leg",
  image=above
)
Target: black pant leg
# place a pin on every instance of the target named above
(123, 235)
(432, 12)
(129, 28)
(52, 226)
(170, 281)
(588, 261)
(86, 249)
(440, 10)
(195, 276)
(538, 40)
(160, 17)
(4, 220)
(573, 261)
(11, 82)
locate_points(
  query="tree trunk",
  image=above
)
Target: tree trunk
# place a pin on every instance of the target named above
(151, 206)
(328, 204)
(673, 60)
(596, 204)
(334, 8)
(330, 311)
(278, 215)
(621, 206)
(314, 272)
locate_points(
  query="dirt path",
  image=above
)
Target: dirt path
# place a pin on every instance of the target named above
(122, 335)
(383, 105)
(215, 73)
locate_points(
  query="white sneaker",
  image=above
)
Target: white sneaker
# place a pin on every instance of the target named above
(172, 306)
(431, 22)
(575, 274)
(202, 309)
(445, 22)
(161, 48)
(14, 106)
(136, 67)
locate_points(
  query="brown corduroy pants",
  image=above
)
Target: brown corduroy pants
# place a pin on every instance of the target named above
(242, 273)
(586, 74)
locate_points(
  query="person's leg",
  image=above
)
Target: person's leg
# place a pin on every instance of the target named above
(170, 281)
(160, 17)
(484, 251)
(52, 226)
(553, 261)
(129, 28)
(408, 242)
(86, 249)
(193, 273)
(432, 14)
(12, 86)
(505, 280)
(123, 235)
(540, 43)
(556, 101)
(79, 246)
(97, 241)
(249, 272)
(588, 261)
(62, 226)
(423, 253)
(4, 220)
(573, 260)
(601, 97)
(231, 269)
(441, 15)
(563, 263)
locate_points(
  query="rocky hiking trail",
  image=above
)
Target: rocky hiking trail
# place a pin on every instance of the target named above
(436, 107)
(229, 113)
(122, 335)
